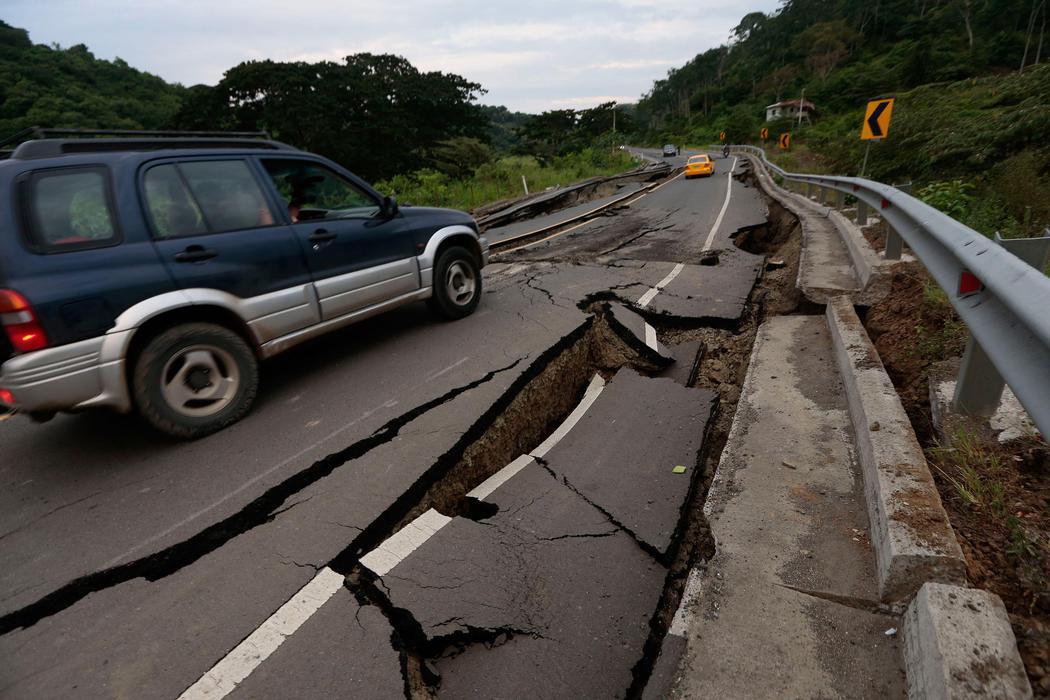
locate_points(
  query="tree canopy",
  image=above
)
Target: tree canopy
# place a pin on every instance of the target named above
(375, 113)
(843, 52)
(70, 88)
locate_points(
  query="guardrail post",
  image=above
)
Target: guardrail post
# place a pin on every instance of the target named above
(809, 190)
(894, 244)
(862, 213)
(840, 200)
(979, 388)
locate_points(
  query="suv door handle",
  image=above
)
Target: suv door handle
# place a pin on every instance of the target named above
(321, 236)
(195, 253)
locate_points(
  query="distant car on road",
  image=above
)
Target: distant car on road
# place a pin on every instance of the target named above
(670, 150)
(699, 166)
(153, 274)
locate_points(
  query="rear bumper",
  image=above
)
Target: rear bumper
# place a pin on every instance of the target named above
(66, 377)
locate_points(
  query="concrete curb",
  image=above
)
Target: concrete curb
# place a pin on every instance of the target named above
(873, 274)
(913, 541)
(959, 644)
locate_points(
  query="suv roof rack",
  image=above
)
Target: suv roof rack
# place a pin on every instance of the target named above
(39, 142)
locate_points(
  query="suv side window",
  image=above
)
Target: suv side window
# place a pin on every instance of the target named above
(311, 191)
(70, 209)
(172, 207)
(208, 196)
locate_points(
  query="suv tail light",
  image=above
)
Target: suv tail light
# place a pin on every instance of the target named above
(20, 322)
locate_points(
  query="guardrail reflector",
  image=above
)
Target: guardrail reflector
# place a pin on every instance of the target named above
(969, 284)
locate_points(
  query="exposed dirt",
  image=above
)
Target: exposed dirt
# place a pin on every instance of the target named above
(911, 334)
(997, 497)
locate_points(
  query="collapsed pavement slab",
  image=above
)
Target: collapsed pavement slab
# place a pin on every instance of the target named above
(714, 294)
(639, 335)
(623, 453)
(529, 593)
(344, 646)
(787, 606)
(687, 358)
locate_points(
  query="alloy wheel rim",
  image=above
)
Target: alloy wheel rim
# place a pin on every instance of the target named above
(460, 283)
(200, 380)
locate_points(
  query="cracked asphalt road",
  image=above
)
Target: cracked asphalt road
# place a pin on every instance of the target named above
(130, 565)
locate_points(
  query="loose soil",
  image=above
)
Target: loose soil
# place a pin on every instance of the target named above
(1005, 535)
(911, 334)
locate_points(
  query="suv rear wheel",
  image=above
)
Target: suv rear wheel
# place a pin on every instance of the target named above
(195, 379)
(457, 283)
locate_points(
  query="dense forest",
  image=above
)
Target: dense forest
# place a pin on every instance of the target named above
(844, 52)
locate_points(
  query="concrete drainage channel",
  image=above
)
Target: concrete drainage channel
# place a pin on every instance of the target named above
(716, 358)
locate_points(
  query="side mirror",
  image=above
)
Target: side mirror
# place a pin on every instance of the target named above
(389, 207)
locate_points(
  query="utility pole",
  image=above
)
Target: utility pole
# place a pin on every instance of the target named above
(801, 101)
(614, 117)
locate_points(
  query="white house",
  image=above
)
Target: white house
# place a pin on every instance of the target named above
(788, 109)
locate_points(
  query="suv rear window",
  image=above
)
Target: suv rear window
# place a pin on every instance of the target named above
(70, 209)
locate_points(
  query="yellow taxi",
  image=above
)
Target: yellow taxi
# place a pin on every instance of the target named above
(698, 166)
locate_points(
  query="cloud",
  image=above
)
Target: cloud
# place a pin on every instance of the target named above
(529, 56)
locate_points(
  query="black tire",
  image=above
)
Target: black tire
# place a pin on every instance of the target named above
(181, 363)
(456, 268)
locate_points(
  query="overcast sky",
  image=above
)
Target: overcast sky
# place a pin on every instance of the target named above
(529, 55)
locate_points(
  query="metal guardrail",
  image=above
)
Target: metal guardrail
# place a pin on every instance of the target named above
(1002, 299)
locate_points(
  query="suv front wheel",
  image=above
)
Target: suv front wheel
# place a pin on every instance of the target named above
(457, 283)
(195, 379)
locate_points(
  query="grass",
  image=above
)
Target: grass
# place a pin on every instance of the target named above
(975, 470)
(972, 470)
(502, 178)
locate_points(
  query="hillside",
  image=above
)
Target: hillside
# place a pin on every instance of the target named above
(51, 86)
(967, 114)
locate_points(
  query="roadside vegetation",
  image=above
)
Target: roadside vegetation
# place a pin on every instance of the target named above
(505, 177)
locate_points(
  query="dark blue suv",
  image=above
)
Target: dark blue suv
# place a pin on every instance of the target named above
(152, 272)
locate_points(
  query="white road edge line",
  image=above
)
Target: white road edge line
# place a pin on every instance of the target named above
(233, 668)
(644, 300)
(486, 487)
(721, 214)
(593, 389)
(685, 612)
(650, 337)
(396, 548)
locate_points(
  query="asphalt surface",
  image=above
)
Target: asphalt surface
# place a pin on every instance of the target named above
(131, 565)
